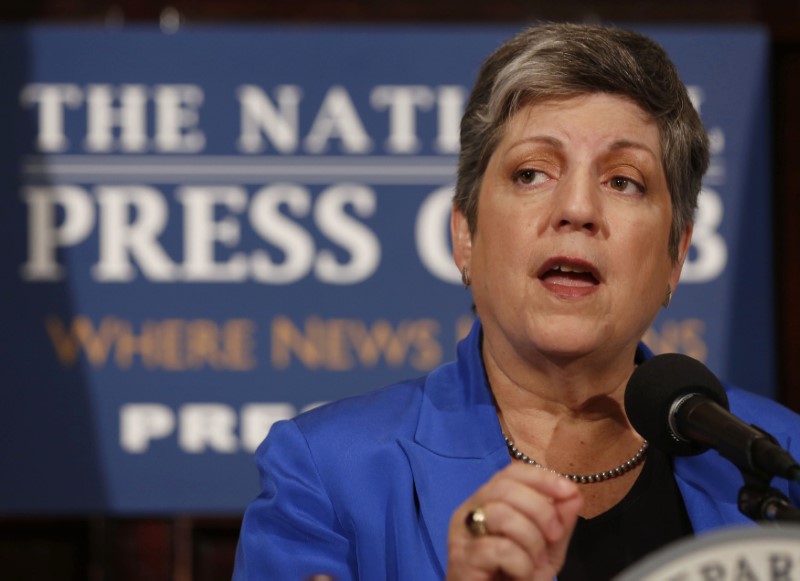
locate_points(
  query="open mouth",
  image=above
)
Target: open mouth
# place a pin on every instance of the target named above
(569, 273)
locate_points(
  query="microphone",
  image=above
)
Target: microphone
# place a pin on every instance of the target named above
(680, 407)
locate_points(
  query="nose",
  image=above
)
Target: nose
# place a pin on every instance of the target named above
(577, 205)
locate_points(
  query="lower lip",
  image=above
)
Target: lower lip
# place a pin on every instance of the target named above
(569, 289)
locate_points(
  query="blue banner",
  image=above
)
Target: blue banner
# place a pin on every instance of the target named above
(210, 230)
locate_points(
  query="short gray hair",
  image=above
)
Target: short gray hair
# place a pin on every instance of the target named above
(553, 61)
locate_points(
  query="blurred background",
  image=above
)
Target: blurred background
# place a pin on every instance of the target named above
(182, 545)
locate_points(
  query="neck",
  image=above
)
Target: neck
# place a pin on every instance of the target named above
(580, 387)
(569, 415)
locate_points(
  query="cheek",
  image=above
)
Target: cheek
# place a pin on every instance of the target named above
(645, 253)
(495, 224)
(510, 242)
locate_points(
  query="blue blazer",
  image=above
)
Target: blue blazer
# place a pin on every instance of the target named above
(364, 488)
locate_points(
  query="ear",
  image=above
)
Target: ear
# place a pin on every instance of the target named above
(461, 237)
(683, 252)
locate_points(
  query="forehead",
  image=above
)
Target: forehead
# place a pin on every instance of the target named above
(596, 117)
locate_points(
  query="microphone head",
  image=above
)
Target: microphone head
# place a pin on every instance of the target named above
(655, 386)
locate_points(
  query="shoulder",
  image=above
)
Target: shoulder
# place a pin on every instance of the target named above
(376, 412)
(749, 405)
(764, 412)
(349, 452)
(346, 428)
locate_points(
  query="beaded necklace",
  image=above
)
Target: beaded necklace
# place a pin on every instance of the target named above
(582, 478)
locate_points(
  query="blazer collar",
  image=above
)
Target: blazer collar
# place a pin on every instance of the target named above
(710, 487)
(458, 417)
(458, 444)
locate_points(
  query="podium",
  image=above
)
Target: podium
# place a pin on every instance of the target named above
(757, 552)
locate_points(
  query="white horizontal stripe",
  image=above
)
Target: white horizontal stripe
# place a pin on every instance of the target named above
(307, 169)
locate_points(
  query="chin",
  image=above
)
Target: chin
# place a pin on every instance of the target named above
(565, 344)
(562, 339)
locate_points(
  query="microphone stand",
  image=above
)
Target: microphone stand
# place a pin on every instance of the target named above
(762, 502)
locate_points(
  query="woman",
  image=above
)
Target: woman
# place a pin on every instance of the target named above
(581, 163)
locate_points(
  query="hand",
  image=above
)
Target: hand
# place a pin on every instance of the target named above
(530, 515)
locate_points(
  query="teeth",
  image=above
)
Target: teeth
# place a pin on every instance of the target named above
(567, 268)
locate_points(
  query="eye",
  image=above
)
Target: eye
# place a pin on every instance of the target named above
(530, 177)
(626, 185)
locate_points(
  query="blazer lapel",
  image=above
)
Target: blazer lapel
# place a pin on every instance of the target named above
(458, 444)
(709, 486)
(442, 484)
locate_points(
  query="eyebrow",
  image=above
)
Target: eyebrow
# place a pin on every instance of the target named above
(546, 139)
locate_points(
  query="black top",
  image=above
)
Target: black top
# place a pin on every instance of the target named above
(651, 515)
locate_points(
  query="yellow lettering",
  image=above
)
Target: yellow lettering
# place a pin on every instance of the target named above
(129, 344)
(336, 353)
(395, 345)
(288, 340)
(367, 345)
(239, 344)
(343, 344)
(82, 336)
(173, 344)
(380, 339)
(202, 345)
(676, 336)
(428, 350)
(169, 344)
(65, 343)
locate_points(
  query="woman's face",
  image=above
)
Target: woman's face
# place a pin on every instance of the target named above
(570, 255)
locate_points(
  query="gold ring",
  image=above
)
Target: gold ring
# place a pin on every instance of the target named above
(476, 522)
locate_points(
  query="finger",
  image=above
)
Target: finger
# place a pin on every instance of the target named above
(546, 482)
(534, 495)
(500, 554)
(568, 511)
(532, 509)
(485, 557)
(506, 521)
(530, 504)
